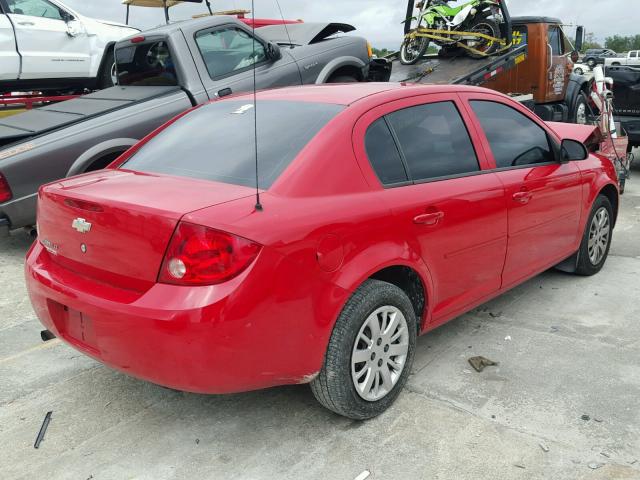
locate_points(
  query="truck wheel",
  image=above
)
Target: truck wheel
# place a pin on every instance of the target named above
(596, 239)
(591, 62)
(580, 115)
(489, 27)
(107, 76)
(370, 352)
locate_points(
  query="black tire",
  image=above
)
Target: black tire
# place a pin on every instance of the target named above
(410, 59)
(104, 77)
(585, 266)
(342, 79)
(490, 27)
(334, 387)
(591, 62)
(580, 112)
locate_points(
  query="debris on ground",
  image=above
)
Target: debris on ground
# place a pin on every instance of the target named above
(363, 475)
(43, 429)
(495, 315)
(519, 465)
(479, 363)
(585, 417)
(596, 465)
(544, 447)
(554, 329)
(197, 441)
(595, 419)
(507, 338)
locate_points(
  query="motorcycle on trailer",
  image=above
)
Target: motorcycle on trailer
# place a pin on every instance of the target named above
(475, 26)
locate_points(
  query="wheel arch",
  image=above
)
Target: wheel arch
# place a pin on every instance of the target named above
(108, 46)
(100, 153)
(342, 66)
(577, 84)
(611, 192)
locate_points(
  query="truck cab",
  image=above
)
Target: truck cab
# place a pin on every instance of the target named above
(546, 73)
(44, 44)
(631, 59)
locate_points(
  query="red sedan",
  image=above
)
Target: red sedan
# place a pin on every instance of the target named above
(385, 210)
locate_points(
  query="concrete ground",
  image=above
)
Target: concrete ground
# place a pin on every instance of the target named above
(568, 347)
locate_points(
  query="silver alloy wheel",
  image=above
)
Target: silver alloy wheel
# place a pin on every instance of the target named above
(581, 114)
(599, 233)
(379, 353)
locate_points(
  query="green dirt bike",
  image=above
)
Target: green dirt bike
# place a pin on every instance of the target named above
(478, 16)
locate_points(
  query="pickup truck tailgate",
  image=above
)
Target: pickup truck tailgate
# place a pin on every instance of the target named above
(58, 115)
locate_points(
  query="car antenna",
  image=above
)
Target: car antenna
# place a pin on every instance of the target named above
(255, 105)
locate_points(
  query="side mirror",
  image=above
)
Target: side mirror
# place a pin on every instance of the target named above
(273, 51)
(573, 150)
(66, 16)
(579, 38)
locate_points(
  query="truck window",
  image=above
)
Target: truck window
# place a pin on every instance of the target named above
(146, 64)
(228, 50)
(520, 34)
(555, 40)
(634, 54)
(35, 8)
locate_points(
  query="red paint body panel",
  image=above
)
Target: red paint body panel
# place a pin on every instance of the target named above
(327, 225)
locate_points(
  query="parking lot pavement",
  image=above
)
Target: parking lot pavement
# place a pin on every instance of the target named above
(567, 347)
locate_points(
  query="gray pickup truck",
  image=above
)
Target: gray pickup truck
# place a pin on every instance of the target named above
(163, 72)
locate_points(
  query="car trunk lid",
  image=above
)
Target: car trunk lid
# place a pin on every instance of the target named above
(114, 226)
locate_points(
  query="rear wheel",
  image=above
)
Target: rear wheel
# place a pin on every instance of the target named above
(413, 49)
(370, 352)
(596, 239)
(486, 26)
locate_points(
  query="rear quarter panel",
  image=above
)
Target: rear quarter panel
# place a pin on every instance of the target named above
(318, 61)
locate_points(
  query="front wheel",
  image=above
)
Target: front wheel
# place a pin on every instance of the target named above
(581, 115)
(591, 62)
(370, 352)
(413, 49)
(596, 240)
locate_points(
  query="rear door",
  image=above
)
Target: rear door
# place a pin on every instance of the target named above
(44, 41)
(9, 59)
(226, 56)
(543, 194)
(450, 211)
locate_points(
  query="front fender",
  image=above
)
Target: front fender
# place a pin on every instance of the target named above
(98, 151)
(336, 64)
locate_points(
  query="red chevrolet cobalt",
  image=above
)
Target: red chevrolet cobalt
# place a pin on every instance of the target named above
(384, 211)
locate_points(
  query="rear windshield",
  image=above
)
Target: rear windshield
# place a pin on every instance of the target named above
(216, 142)
(146, 64)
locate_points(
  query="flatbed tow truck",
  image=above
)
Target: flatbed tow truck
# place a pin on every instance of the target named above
(536, 68)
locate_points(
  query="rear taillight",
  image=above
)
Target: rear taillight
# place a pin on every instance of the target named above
(200, 255)
(5, 191)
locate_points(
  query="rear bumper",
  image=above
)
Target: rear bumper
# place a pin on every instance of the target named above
(234, 337)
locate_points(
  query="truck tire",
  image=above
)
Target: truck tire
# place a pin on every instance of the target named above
(490, 27)
(580, 113)
(591, 62)
(370, 352)
(106, 77)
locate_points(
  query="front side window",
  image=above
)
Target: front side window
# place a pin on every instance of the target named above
(554, 39)
(634, 54)
(434, 141)
(146, 64)
(229, 50)
(216, 141)
(515, 139)
(35, 8)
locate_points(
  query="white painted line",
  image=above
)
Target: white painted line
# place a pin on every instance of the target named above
(42, 346)
(363, 475)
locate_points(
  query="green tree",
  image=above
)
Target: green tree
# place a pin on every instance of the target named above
(623, 44)
(590, 42)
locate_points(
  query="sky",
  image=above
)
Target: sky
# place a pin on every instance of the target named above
(380, 20)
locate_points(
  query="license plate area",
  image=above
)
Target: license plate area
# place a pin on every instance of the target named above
(74, 326)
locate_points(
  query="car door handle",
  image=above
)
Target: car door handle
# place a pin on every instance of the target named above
(522, 197)
(428, 218)
(26, 23)
(224, 92)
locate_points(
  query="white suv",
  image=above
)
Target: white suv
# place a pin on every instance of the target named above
(46, 45)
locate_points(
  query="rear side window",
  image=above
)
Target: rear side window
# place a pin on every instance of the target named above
(146, 64)
(515, 139)
(383, 154)
(434, 141)
(215, 142)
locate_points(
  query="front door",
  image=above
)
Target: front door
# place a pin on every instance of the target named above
(452, 213)
(543, 194)
(559, 69)
(50, 47)
(9, 60)
(228, 55)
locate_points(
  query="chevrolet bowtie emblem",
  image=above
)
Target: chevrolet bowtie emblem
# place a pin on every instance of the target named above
(81, 225)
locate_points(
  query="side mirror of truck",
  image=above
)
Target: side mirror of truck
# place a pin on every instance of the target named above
(573, 150)
(273, 51)
(579, 38)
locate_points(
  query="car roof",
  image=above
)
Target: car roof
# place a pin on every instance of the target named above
(349, 93)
